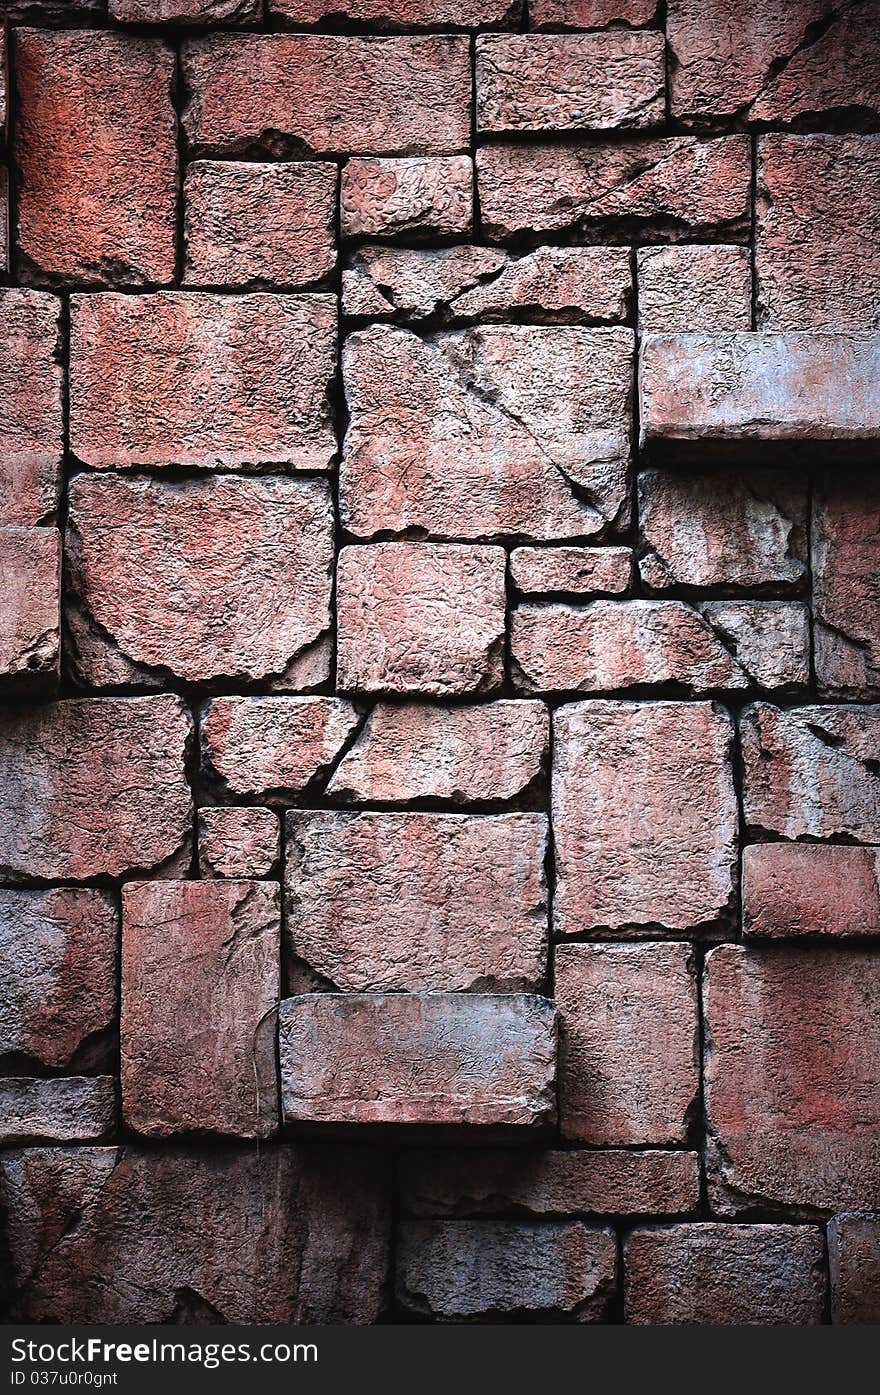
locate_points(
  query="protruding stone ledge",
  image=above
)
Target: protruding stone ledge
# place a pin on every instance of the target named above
(441, 1059)
(751, 389)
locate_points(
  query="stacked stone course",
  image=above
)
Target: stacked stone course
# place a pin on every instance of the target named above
(440, 661)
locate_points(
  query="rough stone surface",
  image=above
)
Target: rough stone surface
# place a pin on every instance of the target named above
(630, 852)
(476, 283)
(569, 82)
(59, 951)
(92, 787)
(772, 62)
(238, 842)
(573, 571)
(220, 576)
(387, 902)
(418, 196)
(796, 889)
(550, 1182)
(770, 640)
(743, 1275)
(186, 388)
(613, 645)
(457, 1271)
(200, 985)
(854, 1262)
(30, 406)
(185, 11)
(253, 224)
(677, 185)
(488, 432)
(265, 746)
(846, 584)
(420, 618)
(589, 14)
(812, 772)
(733, 530)
(628, 1049)
(791, 1077)
(750, 388)
(95, 143)
(269, 1235)
(488, 751)
(372, 96)
(698, 287)
(438, 1058)
(402, 14)
(30, 610)
(78, 1109)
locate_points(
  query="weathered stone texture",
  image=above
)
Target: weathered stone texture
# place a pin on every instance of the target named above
(259, 224)
(457, 1271)
(792, 1079)
(270, 1235)
(594, 1181)
(677, 185)
(59, 988)
(205, 381)
(770, 640)
(569, 82)
(698, 287)
(589, 14)
(219, 576)
(437, 1058)
(818, 219)
(96, 146)
(854, 1262)
(30, 406)
(238, 842)
(812, 772)
(361, 95)
(795, 889)
(266, 746)
(420, 618)
(93, 786)
(402, 14)
(488, 432)
(488, 751)
(743, 1275)
(76, 1109)
(200, 985)
(573, 571)
(418, 196)
(846, 584)
(186, 11)
(631, 853)
(628, 1066)
(384, 902)
(30, 609)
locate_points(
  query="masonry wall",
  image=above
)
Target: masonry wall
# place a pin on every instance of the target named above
(440, 641)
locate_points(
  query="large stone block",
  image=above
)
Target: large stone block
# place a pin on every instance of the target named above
(846, 584)
(274, 747)
(810, 889)
(30, 406)
(30, 608)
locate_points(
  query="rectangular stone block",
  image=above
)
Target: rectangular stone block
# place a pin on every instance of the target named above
(474, 752)
(402, 14)
(373, 96)
(697, 287)
(588, 14)
(572, 571)
(387, 902)
(420, 618)
(30, 609)
(76, 1109)
(675, 186)
(854, 1262)
(570, 82)
(273, 747)
(200, 986)
(238, 842)
(705, 1273)
(93, 787)
(486, 432)
(222, 576)
(253, 1236)
(628, 1042)
(59, 984)
(203, 381)
(631, 853)
(30, 406)
(188, 12)
(811, 889)
(771, 639)
(595, 1181)
(420, 196)
(454, 1059)
(812, 772)
(792, 1078)
(757, 387)
(846, 584)
(455, 1271)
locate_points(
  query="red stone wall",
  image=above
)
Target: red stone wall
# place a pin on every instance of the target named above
(440, 654)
